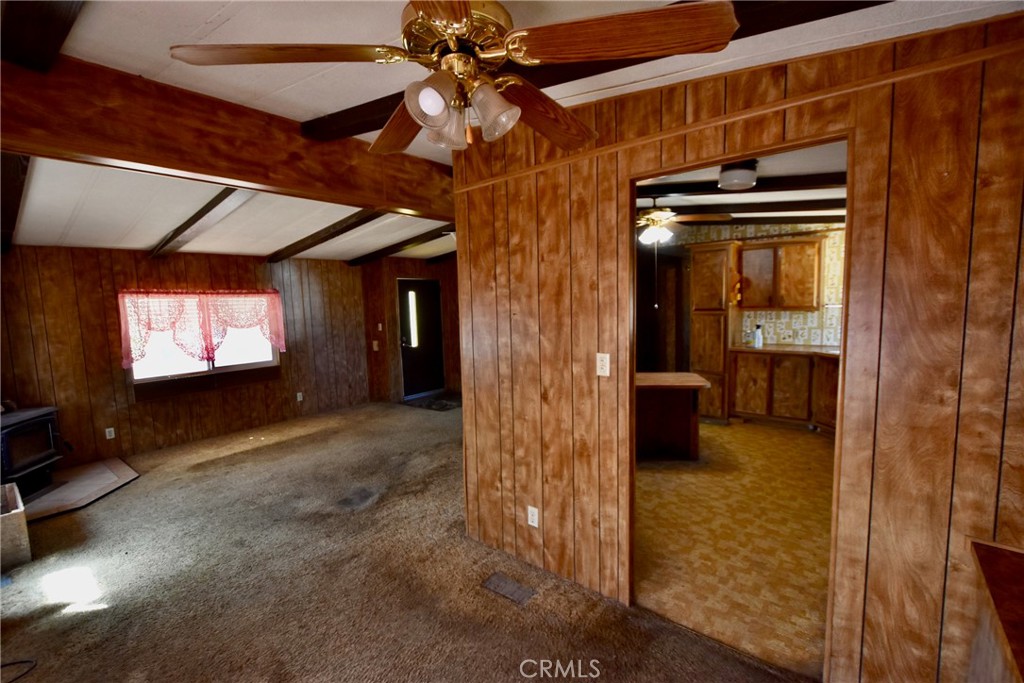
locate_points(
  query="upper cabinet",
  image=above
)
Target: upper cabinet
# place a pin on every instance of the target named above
(783, 274)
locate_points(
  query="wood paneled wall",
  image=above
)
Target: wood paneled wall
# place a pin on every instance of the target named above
(380, 304)
(61, 345)
(929, 442)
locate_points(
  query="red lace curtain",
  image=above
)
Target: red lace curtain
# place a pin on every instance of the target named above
(198, 320)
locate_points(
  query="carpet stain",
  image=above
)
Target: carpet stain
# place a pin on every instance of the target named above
(359, 498)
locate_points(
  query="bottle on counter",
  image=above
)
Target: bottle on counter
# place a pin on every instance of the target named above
(758, 337)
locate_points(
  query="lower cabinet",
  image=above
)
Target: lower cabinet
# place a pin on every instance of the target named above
(789, 386)
(825, 392)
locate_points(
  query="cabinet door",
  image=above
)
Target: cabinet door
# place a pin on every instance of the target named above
(708, 279)
(758, 268)
(797, 275)
(712, 399)
(825, 392)
(791, 386)
(750, 383)
(707, 342)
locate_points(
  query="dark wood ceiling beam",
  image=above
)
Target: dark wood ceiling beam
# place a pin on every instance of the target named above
(392, 249)
(774, 220)
(759, 207)
(814, 181)
(13, 173)
(214, 211)
(754, 17)
(32, 33)
(86, 112)
(336, 229)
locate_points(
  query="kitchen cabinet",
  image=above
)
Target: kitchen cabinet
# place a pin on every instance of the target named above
(789, 384)
(825, 392)
(791, 387)
(712, 274)
(783, 274)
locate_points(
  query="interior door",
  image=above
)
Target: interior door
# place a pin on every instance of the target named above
(419, 306)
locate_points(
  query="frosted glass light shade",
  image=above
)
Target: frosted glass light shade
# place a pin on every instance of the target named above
(428, 100)
(497, 115)
(655, 234)
(453, 134)
(739, 175)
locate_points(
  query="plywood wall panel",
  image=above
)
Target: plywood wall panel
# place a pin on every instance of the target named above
(524, 308)
(21, 382)
(469, 428)
(835, 114)
(95, 352)
(67, 312)
(995, 246)
(748, 89)
(912, 184)
(583, 273)
(556, 368)
(608, 387)
(1010, 513)
(673, 113)
(705, 100)
(485, 367)
(502, 281)
(932, 174)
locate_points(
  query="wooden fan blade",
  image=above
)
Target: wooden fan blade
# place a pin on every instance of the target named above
(207, 55)
(452, 13)
(548, 117)
(398, 132)
(702, 218)
(672, 30)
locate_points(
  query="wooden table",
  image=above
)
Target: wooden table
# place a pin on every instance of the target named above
(667, 426)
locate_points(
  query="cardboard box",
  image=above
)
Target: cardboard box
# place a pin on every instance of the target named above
(14, 548)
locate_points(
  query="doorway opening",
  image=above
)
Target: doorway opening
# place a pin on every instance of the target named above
(420, 337)
(739, 312)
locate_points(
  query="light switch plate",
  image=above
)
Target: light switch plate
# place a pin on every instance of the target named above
(604, 365)
(532, 517)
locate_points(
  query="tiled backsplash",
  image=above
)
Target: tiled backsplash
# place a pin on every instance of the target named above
(823, 326)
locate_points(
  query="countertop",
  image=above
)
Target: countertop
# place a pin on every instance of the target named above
(1002, 569)
(681, 380)
(806, 349)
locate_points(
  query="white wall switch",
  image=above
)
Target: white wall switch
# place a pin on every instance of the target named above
(110, 433)
(298, 396)
(604, 365)
(376, 345)
(380, 327)
(532, 518)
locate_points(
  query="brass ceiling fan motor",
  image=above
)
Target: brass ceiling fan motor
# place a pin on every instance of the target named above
(465, 44)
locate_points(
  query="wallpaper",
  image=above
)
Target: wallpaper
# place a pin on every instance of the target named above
(823, 326)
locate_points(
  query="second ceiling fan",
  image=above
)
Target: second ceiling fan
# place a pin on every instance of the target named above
(465, 44)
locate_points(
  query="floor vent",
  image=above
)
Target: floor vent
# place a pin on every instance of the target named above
(506, 587)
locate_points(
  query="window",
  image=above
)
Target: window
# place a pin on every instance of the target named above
(173, 334)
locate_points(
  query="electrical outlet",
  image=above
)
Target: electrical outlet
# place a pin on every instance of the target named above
(298, 397)
(532, 517)
(604, 365)
(376, 345)
(110, 432)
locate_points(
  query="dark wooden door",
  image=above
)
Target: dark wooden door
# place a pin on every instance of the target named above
(419, 315)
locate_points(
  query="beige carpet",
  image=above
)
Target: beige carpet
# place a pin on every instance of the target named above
(323, 549)
(736, 546)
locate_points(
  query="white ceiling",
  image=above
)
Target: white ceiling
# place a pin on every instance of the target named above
(86, 206)
(829, 158)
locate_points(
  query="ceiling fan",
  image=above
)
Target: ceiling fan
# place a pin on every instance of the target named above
(653, 223)
(465, 43)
